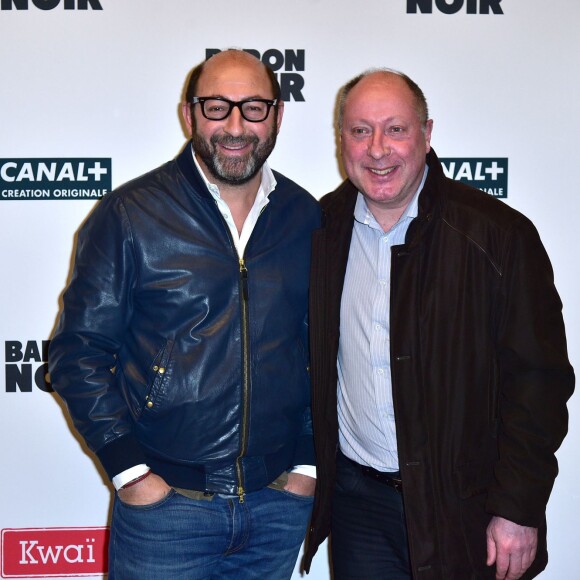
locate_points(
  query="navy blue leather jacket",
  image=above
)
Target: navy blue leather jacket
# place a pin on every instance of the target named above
(174, 351)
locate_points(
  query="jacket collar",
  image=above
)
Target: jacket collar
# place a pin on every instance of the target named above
(342, 201)
(339, 205)
(430, 197)
(430, 201)
(187, 167)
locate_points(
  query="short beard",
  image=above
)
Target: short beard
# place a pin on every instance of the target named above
(233, 171)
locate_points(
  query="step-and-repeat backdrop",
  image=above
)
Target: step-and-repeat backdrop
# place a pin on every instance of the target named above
(89, 98)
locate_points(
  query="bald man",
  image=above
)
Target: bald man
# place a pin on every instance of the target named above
(439, 367)
(182, 351)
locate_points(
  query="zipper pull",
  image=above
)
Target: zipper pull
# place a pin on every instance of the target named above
(244, 273)
(241, 493)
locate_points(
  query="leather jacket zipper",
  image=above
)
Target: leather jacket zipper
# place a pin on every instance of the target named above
(245, 376)
(246, 360)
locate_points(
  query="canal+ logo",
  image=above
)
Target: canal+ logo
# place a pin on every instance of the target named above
(485, 173)
(454, 6)
(70, 178)
(287, 64)
(51, 4)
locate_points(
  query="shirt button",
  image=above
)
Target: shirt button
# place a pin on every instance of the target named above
(380, 371)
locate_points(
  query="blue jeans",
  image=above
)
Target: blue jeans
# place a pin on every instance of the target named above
(368, 531)
(194, 539)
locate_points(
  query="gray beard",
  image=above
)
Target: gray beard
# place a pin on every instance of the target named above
(233, 171)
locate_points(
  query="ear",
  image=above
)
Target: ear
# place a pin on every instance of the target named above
(279, 116)
(186, 112)
(428, 130)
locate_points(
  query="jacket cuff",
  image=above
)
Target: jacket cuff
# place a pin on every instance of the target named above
(504, 507)
(121, 454)
(304, 453)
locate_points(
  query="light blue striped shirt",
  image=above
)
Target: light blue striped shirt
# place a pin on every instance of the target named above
(366, 418)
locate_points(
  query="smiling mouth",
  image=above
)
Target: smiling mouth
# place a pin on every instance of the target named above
(234, 147)
(233, 144)
(382, 171)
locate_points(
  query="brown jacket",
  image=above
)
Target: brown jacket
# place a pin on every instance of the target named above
(479, 366)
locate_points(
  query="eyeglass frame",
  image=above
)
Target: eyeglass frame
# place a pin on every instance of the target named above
(268, 102)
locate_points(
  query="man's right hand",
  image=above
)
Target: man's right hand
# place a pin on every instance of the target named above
(511, 547)
(150, 490)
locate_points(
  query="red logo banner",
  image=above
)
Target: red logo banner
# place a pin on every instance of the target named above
(50, 552)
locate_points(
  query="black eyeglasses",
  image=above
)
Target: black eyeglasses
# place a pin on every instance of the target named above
(218, 108)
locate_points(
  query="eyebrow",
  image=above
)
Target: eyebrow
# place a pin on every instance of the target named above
(248, 98)
(392, 119)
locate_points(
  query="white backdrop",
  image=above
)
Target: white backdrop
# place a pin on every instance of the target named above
(106, 83)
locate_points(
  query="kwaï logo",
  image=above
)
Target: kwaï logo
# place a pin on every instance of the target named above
(54, 552)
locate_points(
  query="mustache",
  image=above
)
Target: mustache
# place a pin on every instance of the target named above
(229, 140)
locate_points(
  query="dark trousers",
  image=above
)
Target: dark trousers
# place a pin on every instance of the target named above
(368, 534)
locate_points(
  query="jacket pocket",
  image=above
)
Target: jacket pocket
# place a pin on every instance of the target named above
(160, 372)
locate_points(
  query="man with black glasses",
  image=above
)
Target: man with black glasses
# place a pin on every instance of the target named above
(181, 350)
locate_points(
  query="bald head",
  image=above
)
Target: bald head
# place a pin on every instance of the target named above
(227, 59)
(384, 76)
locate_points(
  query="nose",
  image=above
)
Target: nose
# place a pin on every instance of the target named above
(379, 145)
(234, 123)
